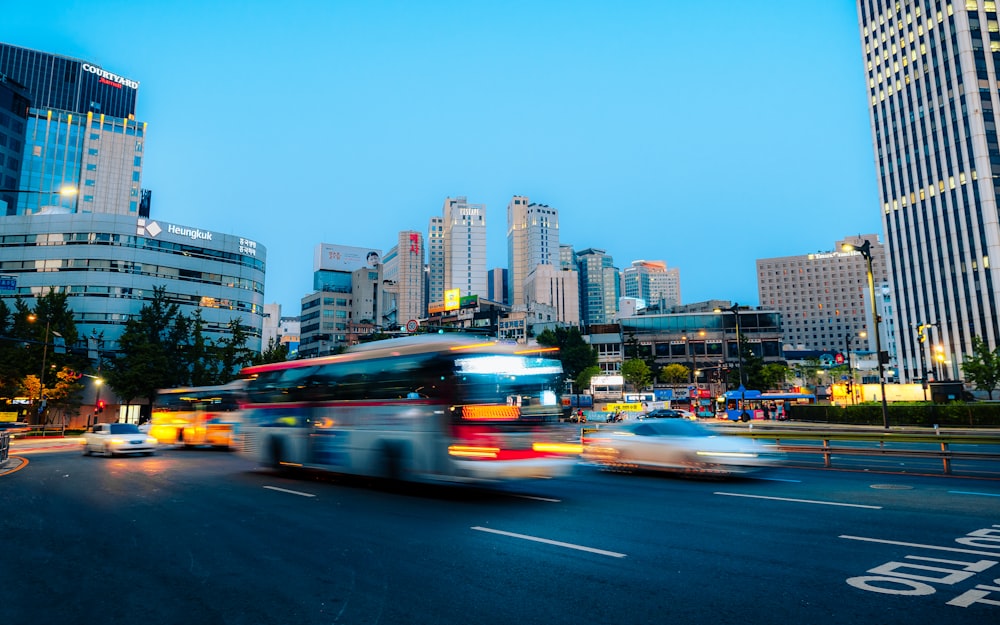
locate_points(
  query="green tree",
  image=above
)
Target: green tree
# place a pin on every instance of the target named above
(274, 352)
(774, 376)
(233, 353)
(675, 374)
(637, 373)
(583, 378)
(147, 347)
(982, 367)
(574, 353)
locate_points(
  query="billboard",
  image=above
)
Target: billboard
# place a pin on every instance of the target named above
(345, 257)
(451, 299)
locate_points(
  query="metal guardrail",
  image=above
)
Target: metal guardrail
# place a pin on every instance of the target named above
(944, 443)
(4, 446)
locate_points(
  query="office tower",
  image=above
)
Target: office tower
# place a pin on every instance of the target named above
(345, 298)
(98, 245)
(931, 74)
(553, 295)
(14, 107)
(824, 298)
(532, 240)
(599, 286)
(465, 247)
(653, 282)
(81, 133)
(497, 286)
(403, 280)
(435, 261)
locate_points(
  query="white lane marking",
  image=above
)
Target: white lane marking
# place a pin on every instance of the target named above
(291, 492)
(822, 503)
(919, 546)
(549, 499)
(613, 554)
(966, 492)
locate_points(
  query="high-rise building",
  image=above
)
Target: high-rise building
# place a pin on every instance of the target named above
(465, 247)
(653, 282)
(435, 261)
(345, 297)
(931, 72)
(403, 279)
(554, 294)
(532, 240)
(81, 133)
(98, 245)
(497, 286)
(14, 108)
(824, 298)
(599, 286)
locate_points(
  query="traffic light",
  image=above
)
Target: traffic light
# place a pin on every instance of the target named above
(100, 406)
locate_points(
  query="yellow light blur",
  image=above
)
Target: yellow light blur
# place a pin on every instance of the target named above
(558, 448)
(68, 190)
(491, 413)
(469, 451)
(540, 350)
(473, 346)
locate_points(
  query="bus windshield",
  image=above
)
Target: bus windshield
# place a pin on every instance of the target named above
(430, 408)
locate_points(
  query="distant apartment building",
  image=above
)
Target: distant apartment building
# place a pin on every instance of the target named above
(532, 240)
(553, 296)
(599, 286)
(435, 261)
(653, 282)
(465, 247)
(345, 298)
(497, 286)
(824, 298)
(403, 280)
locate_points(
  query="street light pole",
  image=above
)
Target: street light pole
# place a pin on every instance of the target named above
(735, 309)
(850, 372)
(866, 251)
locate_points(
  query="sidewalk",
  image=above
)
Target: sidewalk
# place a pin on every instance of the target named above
(19, 446)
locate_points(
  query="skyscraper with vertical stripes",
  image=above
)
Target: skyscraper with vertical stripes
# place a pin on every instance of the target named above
(931, 74)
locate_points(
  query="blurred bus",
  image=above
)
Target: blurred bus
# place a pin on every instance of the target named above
(746, 405)
(200, 415)
(432, 408)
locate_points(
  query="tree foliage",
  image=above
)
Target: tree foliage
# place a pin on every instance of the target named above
(675, 374)
(574, 353)
(982, 367)
(637, 373)
(583, 378)
(163, 348)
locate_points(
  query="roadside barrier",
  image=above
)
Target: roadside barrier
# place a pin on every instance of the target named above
(940, 445)
(4, 446)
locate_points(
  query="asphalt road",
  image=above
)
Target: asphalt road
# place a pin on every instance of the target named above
(199, 536)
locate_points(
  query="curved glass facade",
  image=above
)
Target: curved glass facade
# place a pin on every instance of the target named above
(110, 264)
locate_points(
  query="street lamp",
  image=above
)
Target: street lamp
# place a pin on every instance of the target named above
(45, 352)
(735, 309)
(865, 249)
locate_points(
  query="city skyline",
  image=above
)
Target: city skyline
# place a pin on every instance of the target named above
(355, 123)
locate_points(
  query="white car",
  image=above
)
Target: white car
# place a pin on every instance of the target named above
(118, 438)
(676, 445)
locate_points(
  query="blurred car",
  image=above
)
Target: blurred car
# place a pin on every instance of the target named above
(118, 438)
(676, 445)
(669, 413)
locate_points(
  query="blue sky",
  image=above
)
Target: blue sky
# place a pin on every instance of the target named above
(704, 135)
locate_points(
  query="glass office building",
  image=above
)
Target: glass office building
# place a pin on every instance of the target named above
(109, 265)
